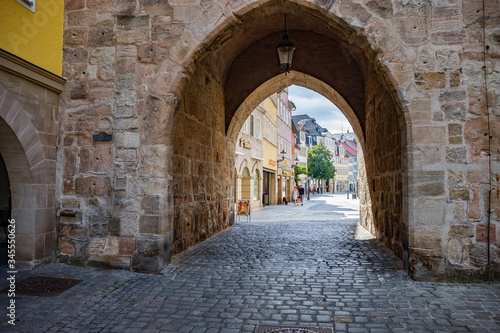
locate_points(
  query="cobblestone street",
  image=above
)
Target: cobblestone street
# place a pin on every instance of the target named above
(290, 265)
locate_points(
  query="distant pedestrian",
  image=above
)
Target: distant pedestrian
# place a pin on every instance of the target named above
(314, 189)
(301, 194)
(295, 195)
(321, 189)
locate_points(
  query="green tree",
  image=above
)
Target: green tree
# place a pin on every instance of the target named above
(319, 162)
(299, 170)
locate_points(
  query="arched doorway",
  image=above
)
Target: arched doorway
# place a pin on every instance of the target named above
(31, 178)
(5, 211)
(186, 84)
(243, 69)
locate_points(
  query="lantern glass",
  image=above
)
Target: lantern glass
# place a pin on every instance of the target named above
(285, 53)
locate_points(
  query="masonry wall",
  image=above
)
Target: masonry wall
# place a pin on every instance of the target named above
(202, 169)
(29, 116)
(383, 164)
(134, 71)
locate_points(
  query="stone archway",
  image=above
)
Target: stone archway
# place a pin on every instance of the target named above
(32, 181)
(170, 78)
(340, 70)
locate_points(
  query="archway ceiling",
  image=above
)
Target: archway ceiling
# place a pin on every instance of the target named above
(247, 57)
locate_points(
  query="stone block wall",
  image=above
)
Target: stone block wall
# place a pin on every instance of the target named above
(135, 71)
(29, 116)
(202, 168)
(382, 183)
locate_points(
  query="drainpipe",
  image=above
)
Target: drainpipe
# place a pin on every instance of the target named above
(485, 49)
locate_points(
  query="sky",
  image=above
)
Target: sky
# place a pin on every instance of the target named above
(316, 106)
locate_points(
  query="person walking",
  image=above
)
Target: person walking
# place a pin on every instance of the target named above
(301, 194)
(295, 195)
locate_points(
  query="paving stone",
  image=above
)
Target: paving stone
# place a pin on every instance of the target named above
(266, 272)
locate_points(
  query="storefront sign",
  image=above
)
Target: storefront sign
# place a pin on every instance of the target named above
(272, 162)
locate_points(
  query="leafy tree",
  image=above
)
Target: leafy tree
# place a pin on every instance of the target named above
(319, 162)
(299, 170)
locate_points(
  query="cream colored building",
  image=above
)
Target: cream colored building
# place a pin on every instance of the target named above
(249, 158)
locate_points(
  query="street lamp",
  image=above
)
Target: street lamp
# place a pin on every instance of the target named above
(285, 52)
(283, 154)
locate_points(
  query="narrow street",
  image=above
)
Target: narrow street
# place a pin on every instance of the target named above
(290, 265)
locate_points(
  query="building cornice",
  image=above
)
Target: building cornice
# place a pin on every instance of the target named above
(22, 68)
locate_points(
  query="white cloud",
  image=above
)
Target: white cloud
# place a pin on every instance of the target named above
(326, 113)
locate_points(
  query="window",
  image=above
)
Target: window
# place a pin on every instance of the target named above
(251, 124)
(244, 127)
(257, 129)
(256, 185)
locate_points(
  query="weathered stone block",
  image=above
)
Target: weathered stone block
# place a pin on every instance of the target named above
(455, 251)
(429, 212)
(93, 185)
(129, 224)
(106, 72)
(455, 78)
(132, 21)
(429, 134)
(97, 158)
(462, 231)
(151, 53)
(149, 224)
(474, 212)
(426, 238)
(75, 55)
(449, 37)
(131, 140)
(151, 204)
(65, 246)
(125, 65)
(78, 233)
(455, 177)
(75, 36)
(459, 193)
(476, 134)
(69, 162)
(149, 245)
(454, 112)
(70, 204)
(74, 4)
(103, 55)
(482, 233)
(79, 91)
(428, 81)
(70, 217)
(456, 155)
(100, 110)
(101, 36)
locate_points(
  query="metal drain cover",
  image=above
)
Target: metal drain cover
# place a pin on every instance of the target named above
(291, 329)
(43, 286)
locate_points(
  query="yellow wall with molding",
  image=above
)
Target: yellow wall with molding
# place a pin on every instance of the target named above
(35, 37)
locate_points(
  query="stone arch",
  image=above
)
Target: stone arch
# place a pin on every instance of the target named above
(222, 63)
(172, 86)
(243, 165)
(280, 82)
(32, 181)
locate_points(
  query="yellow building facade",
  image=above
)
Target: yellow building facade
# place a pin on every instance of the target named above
(35, 35)
(270, 163)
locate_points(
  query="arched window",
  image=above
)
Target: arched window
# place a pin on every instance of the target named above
(256, 185)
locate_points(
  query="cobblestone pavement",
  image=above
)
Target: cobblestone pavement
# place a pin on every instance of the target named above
(291, 265)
